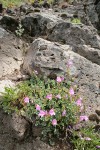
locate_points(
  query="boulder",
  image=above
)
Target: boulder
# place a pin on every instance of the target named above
(36, 23)
(9, 22)
(49, 57)
(74, 34)
(11, 54)
(45, 56)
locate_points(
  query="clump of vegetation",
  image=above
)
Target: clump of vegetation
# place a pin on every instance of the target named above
(20, 30)
(76, 21)
(13, 3)
(53, 105)
(87, 139)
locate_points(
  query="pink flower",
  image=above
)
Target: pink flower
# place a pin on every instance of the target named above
(71, 91)
(46, 113)
(51, 112)
(59, 79)
(64, 113)
(79, 102)
(83, 118)
(58, 96)
(49, 96)
(41, 113)
(87, 139)
(98, 146)
(69, 63)
(38, 107)
(54, 122)
(26, 100)
(35, 71)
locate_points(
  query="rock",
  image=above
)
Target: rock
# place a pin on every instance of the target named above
(98, 12)
(36, 4)
(20, 126)
(94, 117)
(91, 54)
(36, 23)
(46, 4)
(11, 54)
(2, 33)
(1, 8)
(97, 112)
(74, 34)
(49, 57)
(10, 23)
(91, 12)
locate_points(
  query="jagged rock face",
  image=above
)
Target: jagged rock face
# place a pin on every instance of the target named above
(52, 57)
(75, 34)
(80, 42)
(36, 24)
(11, 56)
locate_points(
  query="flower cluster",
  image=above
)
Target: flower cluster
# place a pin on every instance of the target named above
(54, 103)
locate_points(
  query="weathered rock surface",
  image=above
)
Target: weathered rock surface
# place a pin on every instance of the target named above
(49, 57)
(72, 34)
(36, 23)
(46, 55)
(16, 134)
(81, 43)
(91, 54)
(11, 56)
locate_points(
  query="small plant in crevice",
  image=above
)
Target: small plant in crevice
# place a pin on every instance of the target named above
(76, 21)
(53, 105)
(20, 30)
(86, 139)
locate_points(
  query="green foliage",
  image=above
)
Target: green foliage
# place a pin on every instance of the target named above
(87, 139)
(76, 21)
(14, 3)
(38, 91)
(20, 30)
(11, 3)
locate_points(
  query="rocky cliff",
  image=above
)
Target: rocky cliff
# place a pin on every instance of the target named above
(51, 36)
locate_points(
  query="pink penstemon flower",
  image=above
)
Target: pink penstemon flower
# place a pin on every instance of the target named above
(49, 96)
(54, 122)
(79, 102)
(64, 113)
(58, 96)
(41, 113)
(59, 79)
(51, 112)
(83, 118)
(38, 107)
(71, 91)
(26, 100)
(98, 146)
